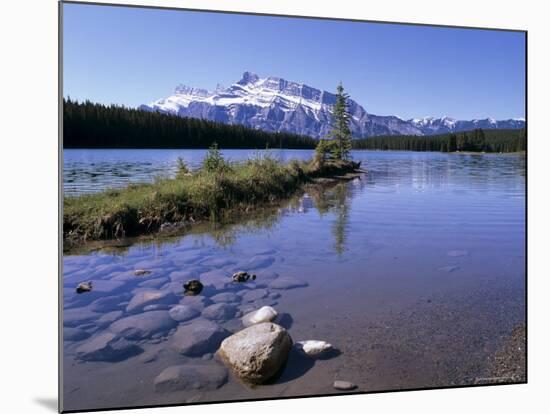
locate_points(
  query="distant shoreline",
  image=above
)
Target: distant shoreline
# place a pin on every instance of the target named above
(291, 149)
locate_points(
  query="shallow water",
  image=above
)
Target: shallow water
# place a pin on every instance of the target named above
(415, 273)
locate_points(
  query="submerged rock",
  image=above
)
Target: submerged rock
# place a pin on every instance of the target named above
(219, 311)
(150, 297)
(195, 302)
(313, 347)
(143, 325)
(193, 287)
(254, 294)
(109, 317)
(107, 303)
(344, 385)
(265, 278)
(84, 287)
(264, 314)
(287, 282)
(259, 262)
(153, 283)
(256, 353)
(199, 337)
(182, 313)
(74, 334)
(196, 375)
(228, 297)
(107, 347)
(79, 316)
(219, 279)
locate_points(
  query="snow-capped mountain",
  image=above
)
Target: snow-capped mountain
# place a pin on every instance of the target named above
(275, 104)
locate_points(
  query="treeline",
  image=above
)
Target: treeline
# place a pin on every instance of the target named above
(92, 125)
(478, 140)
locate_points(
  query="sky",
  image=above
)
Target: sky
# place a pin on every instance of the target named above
(133, 56)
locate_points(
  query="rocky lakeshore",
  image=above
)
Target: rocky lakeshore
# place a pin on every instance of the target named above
(231, 326)
(426, 304)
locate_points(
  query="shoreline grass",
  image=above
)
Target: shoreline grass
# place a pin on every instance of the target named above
(217, 189)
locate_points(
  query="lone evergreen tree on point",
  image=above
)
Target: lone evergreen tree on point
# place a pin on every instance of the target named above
(341, 131)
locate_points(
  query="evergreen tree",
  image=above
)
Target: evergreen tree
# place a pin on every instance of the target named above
(452, 143)
(341, 131)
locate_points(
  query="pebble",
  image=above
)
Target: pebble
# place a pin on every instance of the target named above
(264, 314)
(287, 282)
(313, 347)
(344, 385)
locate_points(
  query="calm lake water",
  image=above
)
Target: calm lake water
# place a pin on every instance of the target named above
(415, 272)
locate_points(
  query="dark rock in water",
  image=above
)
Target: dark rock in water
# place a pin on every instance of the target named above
(256, 353)
(193, 287)
(344, 385)
(142, 272)
(182, 313)
(147, 297)
(199, 337)
(196, 375)
(219, 311)
(84, 287)
(107, 347)
(241, 277)
(143, 325)
(287, 282)
(74, 334)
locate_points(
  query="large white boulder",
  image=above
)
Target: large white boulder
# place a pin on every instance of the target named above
(256, 353)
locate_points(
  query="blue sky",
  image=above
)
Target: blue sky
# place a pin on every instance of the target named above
(132, 56)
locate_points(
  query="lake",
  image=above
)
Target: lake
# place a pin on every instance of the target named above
(415, 272)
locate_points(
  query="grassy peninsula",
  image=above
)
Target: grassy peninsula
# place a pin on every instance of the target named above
(217, 189)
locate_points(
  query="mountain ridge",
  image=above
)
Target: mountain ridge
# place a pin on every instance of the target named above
(276, 104)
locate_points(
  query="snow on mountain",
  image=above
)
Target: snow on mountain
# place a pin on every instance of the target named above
(275, 104)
